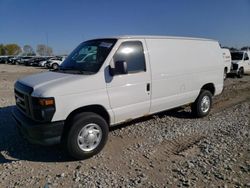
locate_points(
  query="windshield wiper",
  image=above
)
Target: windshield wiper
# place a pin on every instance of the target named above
(73, 70)
(85, 72)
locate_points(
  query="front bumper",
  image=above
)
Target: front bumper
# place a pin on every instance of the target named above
(38, 133)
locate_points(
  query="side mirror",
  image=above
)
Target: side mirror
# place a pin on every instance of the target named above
(121, 67)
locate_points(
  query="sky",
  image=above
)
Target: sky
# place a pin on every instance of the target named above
(66, 23)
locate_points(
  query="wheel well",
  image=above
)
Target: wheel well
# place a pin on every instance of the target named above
(210, 87)
(225, 69)
(98, 109)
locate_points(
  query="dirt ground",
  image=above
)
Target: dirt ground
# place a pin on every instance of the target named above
(169, 149)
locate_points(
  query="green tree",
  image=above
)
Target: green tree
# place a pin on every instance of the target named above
(13, 49)
(2, 49)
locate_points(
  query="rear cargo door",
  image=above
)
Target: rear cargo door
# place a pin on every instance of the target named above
(129, 94)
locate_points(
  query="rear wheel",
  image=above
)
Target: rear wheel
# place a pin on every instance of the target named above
(240, 73)
(55, 66)
(87, 136)
(202, 105)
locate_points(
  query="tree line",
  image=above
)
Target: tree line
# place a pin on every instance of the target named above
(27, 50)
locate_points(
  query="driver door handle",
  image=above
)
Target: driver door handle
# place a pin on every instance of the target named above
(148, 87)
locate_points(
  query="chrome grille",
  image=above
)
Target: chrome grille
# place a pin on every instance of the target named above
(22, 96)
(22, 102)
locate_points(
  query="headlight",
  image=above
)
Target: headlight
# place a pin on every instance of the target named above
(46, 101)
(43, 108)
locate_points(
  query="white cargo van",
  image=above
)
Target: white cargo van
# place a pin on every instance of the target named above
(240, 63)
(125, 78)
(227, 61)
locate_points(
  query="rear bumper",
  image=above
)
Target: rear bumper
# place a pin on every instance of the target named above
(38, 133)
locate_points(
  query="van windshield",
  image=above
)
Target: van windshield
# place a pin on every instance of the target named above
(88, 57)
(237, 55)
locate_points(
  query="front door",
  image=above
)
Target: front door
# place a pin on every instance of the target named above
(129, 94)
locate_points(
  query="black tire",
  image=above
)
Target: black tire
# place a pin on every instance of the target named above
(78, 123)
(54, 66)
(225, 74)
(199, 104)
(240, 73)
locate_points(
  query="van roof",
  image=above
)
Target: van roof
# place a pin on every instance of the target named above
(159, 37)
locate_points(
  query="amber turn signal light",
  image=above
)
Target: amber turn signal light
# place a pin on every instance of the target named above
(46, 102)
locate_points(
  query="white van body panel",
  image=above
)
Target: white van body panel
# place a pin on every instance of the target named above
(227, 59)
(176, 69)
(180, 67)
(245, 64)
(71, 91)
(128, 96)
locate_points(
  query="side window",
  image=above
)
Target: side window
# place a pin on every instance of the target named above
(132, 53)
(246, 57)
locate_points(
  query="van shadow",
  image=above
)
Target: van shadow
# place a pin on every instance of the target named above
(180, 112)
(14, 147)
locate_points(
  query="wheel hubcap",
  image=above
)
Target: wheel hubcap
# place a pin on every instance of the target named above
(89, 137)
(205, 104)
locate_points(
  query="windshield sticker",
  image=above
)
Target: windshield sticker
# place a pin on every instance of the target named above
(105, 45)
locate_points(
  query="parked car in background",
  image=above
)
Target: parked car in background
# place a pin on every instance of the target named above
(3, 59)
(10, 59)
(35, 61)
(16, 60)
(24, 59)
(125, 78)
(6, 59)
(42, 63)
(240, 63)
(227, 61)
(54, 63)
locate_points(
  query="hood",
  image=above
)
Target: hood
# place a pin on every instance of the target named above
(50, 84)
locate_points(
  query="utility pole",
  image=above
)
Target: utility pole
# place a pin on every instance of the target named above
(47, 41)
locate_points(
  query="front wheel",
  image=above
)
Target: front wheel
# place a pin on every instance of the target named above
(202, 105)
(87, 136)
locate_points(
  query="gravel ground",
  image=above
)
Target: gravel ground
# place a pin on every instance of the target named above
(169, 149)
